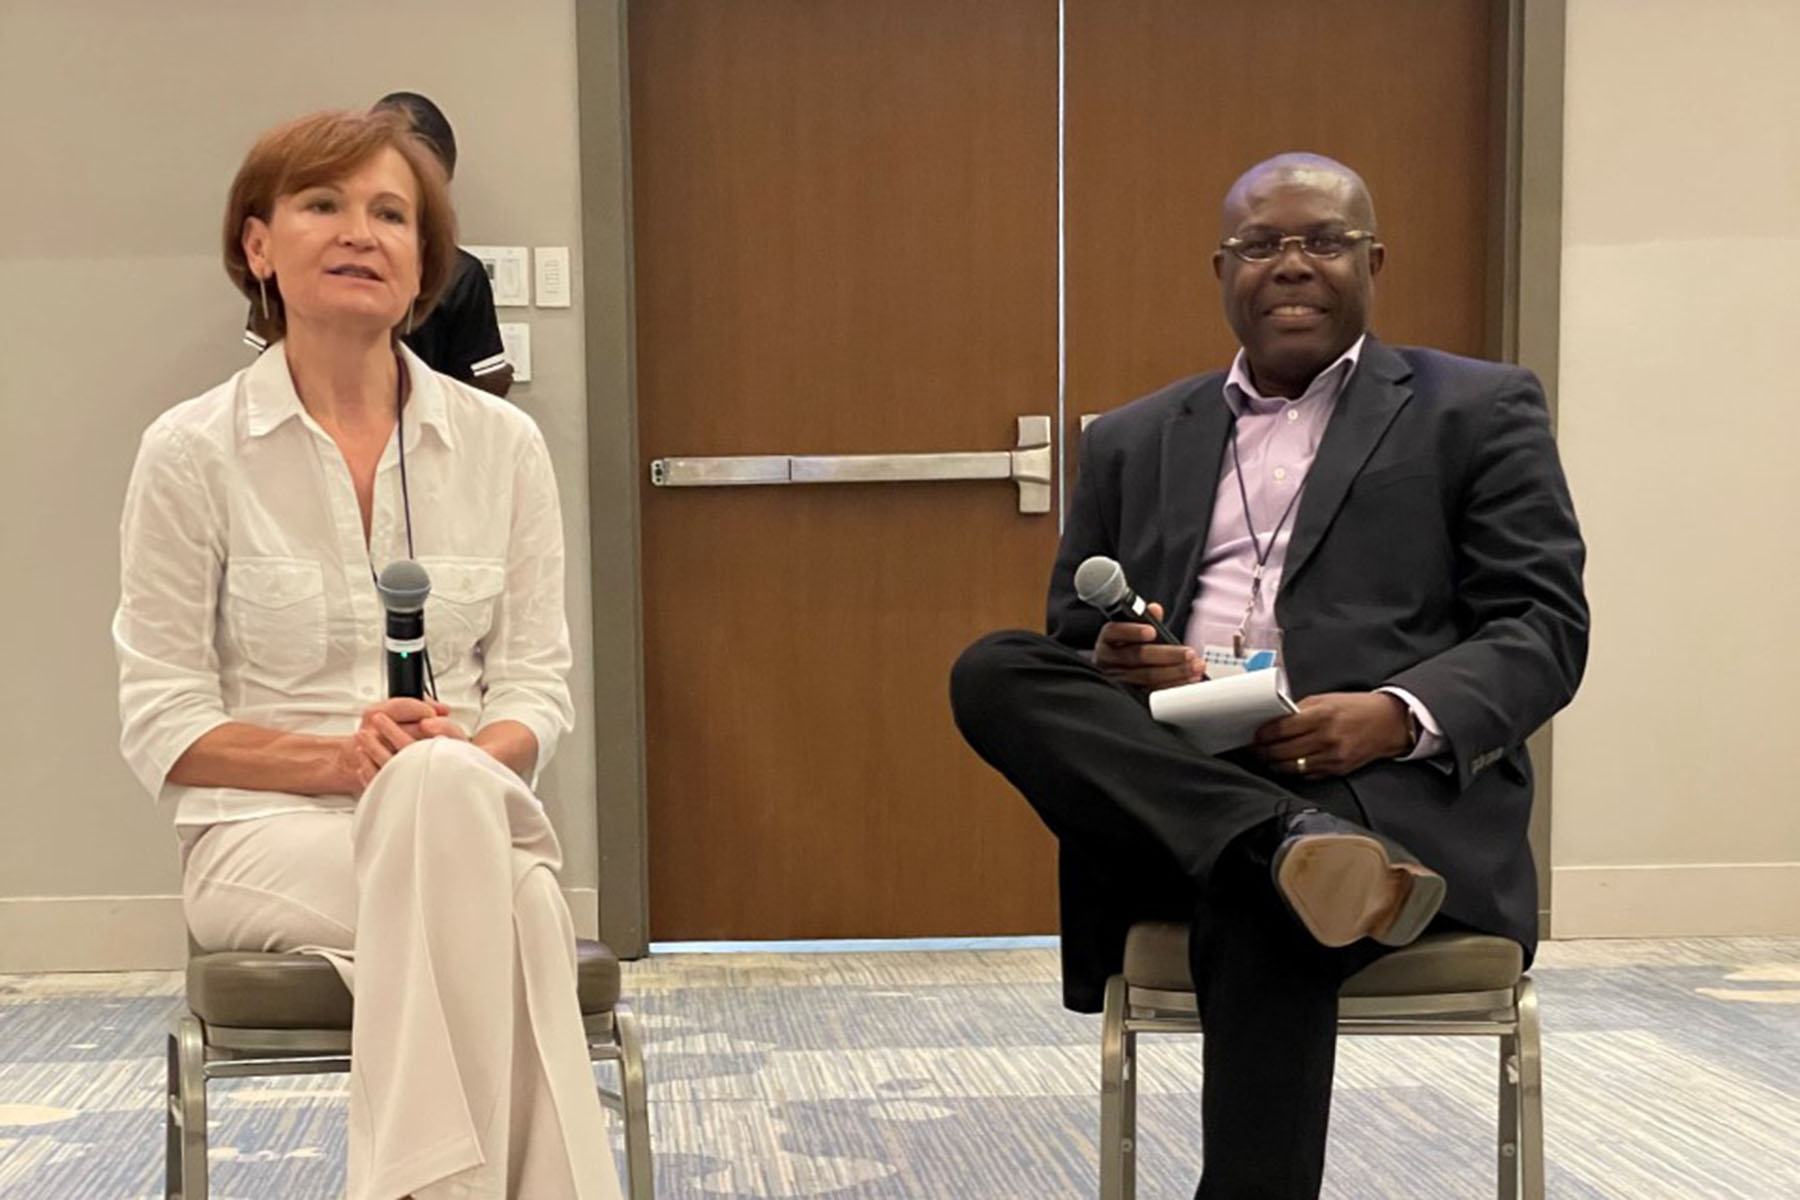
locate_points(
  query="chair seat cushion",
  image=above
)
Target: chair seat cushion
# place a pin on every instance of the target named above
(246, 990)
(1156, 956)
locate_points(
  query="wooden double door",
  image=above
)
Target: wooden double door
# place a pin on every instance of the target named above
(865, 227)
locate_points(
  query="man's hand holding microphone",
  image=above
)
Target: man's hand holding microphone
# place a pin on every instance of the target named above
(1333, 734)
(1134, 646)
(1132, 652)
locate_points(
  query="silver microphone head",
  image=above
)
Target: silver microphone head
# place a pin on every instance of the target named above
(403, 586)
(1100, 582)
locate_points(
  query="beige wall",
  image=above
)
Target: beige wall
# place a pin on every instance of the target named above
(120, 126)
(1677, 796)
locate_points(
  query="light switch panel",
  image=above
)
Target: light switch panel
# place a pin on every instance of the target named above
(516, 337)
(509, 273)
(553, 277)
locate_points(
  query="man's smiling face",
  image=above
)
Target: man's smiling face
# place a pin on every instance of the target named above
(1294, 315)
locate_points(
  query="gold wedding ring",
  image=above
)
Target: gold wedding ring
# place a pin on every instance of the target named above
(1300, 764)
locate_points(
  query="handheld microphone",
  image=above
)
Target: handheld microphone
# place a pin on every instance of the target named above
(403, 586)
(1100, 581)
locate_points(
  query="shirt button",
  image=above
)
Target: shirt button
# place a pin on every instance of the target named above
(1292, 415)
(1281, 472)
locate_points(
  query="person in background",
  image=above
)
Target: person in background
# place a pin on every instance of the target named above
(1393, 524)
(398, 838)
(461, 336)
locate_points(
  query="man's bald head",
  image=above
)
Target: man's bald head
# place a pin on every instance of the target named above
(1304, 295)
(1300, 170)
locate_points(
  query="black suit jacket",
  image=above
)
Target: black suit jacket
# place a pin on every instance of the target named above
(1435, 548)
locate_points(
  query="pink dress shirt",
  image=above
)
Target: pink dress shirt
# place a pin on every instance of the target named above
(1277, 440)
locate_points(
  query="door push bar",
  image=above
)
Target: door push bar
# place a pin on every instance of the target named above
(1028, 466)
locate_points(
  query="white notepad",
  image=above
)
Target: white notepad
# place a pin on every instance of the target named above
(1222, 714)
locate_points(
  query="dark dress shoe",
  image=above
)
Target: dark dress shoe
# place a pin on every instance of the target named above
(1345, 882)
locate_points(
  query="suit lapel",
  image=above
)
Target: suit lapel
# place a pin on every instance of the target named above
(1376, 394)
(1193, 445)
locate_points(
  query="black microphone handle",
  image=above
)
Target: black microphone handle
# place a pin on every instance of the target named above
(406, 675)
(1132, 609)
(405, 645)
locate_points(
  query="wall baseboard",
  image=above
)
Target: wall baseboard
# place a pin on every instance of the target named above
(1687, 900)
(138, 933)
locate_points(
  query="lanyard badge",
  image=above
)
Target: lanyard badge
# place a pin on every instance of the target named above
(1239, 639)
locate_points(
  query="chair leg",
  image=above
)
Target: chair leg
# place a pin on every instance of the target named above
(634, 1093)
(187, 1144)
(1531, 1094)
(1508, 1139)
(172, 1183)
(1118, 1098)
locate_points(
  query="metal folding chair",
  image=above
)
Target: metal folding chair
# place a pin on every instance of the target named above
(1457, 985)
(289, 1014)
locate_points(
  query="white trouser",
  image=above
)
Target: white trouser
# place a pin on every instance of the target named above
(468, 1080)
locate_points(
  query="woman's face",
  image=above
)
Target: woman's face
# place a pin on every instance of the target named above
(344, 253)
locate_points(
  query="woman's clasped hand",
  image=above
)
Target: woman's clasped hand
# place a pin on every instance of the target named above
(389, 727)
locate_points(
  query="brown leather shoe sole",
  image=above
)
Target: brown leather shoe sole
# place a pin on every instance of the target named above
(1344, 887)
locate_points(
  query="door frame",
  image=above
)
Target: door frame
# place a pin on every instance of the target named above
(1525, 260)
(602, 87)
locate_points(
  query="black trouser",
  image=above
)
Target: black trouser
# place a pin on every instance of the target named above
(1099, 771)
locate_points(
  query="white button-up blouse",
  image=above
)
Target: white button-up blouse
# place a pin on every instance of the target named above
(246, 591)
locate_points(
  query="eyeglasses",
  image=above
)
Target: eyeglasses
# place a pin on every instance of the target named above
(1267, 247)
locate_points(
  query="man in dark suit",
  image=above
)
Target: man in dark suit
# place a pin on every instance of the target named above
(1393, 523)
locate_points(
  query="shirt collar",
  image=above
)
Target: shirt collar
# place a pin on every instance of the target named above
(1241, 395)
(272, 401)
(428, 407)
(269, 396)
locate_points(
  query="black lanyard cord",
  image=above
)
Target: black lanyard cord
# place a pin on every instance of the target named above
(1262, 552)
(1237, 469)
(400, 397)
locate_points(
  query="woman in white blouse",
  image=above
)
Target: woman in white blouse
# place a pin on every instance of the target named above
(398, 838)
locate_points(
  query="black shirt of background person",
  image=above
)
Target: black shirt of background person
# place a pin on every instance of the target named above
(461, 337)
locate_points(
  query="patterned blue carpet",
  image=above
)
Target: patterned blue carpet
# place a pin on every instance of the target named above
(1672, 1069)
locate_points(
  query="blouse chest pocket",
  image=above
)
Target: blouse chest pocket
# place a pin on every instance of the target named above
(460, 609)
(275, 613)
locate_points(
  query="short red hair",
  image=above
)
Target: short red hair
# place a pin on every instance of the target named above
(323, 148)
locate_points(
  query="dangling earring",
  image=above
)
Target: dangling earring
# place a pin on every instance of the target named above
(262, 290)
(411, 307)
